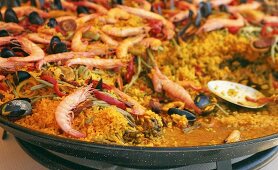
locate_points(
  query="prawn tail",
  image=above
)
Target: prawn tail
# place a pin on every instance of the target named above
(76, 133)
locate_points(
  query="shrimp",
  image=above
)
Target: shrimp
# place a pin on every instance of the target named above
(64, 114)
(76, 44)
(96, 62)
(122, 50)
(2, 77)
(11, 27)
(35, 52)
(100, 9)
(218, 23)
(217, 3)
(143, 4)
(124, 31)
(63, 18)
(64, 56)
(117, 13)
(180, 16)
(26, 10)
(80, 21)
(183, 5)
(68, 5)
(7, 65)
(270, 19)
(168, 28)
(242, 7)
(137, 108)
(152, 43)
(39, 38)
(233, 137)
(174, 90)
(107, 39)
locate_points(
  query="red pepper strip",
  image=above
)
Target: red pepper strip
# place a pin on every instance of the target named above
(3, 87)
(233, 30)
(108, 99)
(53, 81)
(271, 25)
(156, 26)
(275, 84)
(130, 70)
(263, 100)
(104, 86)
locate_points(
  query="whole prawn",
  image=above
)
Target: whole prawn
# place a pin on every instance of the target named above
(64, 114)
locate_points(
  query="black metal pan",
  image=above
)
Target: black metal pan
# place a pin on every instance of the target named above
(141, 157)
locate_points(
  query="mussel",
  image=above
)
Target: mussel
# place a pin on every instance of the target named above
(54, 40)
(189, 115)
(60, 48)
(16, 108)
(275, 75)
(4, 33)
(204, 102)
(6, 53)
(20, 76)
(10, 16)
(205, 9)
(35, 18)
(52, 23)
(82, 10)
(58, 4)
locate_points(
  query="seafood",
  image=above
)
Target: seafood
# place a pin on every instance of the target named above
(173, 89)
(180, 16)
(125, 31)
(137, 108)
(64, 114)
(242, 7)
(39, 38)
(26, 10)
(117, 13)
(16, 108)
(152, 43)
(35, 52)
(100, 9)
(233, 137)
(218, 23)
(122, 50)
(98, 63)
(168, 28)
(11, 27)
(107, 39)
(2, 77)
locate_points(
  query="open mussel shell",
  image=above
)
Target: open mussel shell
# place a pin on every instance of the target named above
(16, 108)
(189, 115)
(205, 103)
(10, 16)
(20, 76)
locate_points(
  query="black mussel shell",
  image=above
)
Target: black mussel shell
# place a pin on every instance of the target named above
(4, 33)
(275, 75)
(58, 4)
(82, 10)
(20, 76)
(223, 8)
(16, 108)
(35, 18)
(60, 48)
(10, 16)
(189, 115)
(1, 17)
(7, 53)
(243, 1)
(198, 19)
(204, 103)
(54, 40)
(99, 85)
(17, 3)
(205, 8)
(52, 23)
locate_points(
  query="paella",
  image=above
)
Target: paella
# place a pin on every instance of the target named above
(135, 72)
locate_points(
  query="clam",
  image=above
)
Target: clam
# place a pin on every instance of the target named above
(20, 76)
(16, 108)
(189, 115)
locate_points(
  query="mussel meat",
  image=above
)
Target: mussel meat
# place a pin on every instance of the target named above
(52, 23)
(16, 108)
(189, 115)
(7, 53)
(204, 103)
(35, 18)
(4, 33)
(10, 16)
(82, 10)
(20, 76)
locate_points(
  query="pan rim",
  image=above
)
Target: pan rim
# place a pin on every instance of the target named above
(115, 147)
